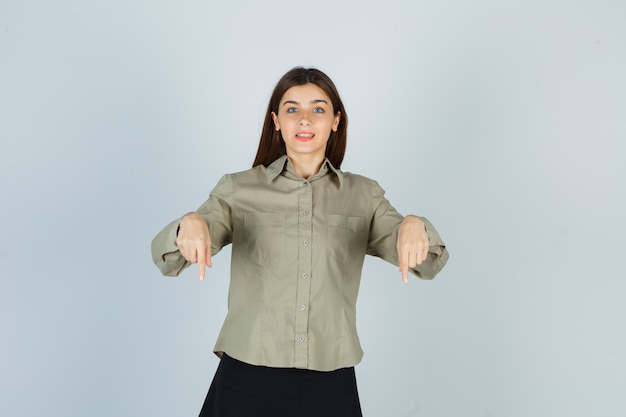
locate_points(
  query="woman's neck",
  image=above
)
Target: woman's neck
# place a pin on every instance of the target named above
(306, 166)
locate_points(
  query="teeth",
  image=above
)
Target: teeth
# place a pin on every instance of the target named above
(305, 135)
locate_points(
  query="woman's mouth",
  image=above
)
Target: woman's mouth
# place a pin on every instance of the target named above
(305, 136)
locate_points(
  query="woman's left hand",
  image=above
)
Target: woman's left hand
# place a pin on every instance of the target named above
(412, 245)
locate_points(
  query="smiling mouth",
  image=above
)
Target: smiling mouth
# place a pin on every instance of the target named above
(304, 136)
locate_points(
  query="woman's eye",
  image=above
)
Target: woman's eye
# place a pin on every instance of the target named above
(318, 110)
(292, 110)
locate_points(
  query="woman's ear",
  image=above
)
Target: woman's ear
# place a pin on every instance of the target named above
(336, 121)
(276, 124)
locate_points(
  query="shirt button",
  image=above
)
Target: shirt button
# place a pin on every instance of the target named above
(301, 338)
(306, 242)
(305, 184)
(302, 307)
(305, 212)
(304, 275)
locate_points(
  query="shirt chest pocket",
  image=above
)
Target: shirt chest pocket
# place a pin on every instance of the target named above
(264, 236)
(347, 237)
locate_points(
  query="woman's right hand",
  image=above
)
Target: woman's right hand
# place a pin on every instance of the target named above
(194, 241)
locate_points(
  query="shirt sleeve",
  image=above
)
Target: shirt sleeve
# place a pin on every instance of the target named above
(383, 237)
(216, 211)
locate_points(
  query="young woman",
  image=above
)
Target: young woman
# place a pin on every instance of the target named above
(300, 229)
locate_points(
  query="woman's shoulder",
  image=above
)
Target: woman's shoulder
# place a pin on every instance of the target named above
(358, 179)
(227, 182)
(258, 171)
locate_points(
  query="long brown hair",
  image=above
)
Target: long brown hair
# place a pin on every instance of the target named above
(271, 145)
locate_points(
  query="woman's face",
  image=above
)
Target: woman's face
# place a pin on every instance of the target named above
(305, 119)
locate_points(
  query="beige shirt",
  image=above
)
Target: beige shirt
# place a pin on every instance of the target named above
(297, 255)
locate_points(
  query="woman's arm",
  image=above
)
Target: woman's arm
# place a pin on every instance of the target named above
(410, 242)
(197, 236)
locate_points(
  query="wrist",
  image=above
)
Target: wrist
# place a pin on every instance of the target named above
(191, 216)
(411, 218)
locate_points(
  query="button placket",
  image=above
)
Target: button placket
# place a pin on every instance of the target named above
(305, 232)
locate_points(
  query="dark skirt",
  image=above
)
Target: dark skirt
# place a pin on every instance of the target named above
(243, 390)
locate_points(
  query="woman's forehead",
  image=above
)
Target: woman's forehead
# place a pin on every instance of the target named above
(305, 93)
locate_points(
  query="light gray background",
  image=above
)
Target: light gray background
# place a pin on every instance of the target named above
(501, 121)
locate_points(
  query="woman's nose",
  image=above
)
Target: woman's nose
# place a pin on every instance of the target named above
(305, 120)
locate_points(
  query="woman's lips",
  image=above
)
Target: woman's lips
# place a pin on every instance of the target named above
(305, 136)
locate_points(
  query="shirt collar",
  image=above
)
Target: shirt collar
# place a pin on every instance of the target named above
(278, 166)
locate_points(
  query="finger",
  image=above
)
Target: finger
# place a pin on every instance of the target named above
(405, 275)
(411, 263)
(404, 269)
(419, 254)
(404, 265)
(201, 263)
(209, 263)
(190, 255)
(414, 259)
(425, 252)
(418, 257)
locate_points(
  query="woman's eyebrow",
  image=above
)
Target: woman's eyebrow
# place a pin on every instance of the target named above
(319, 100)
